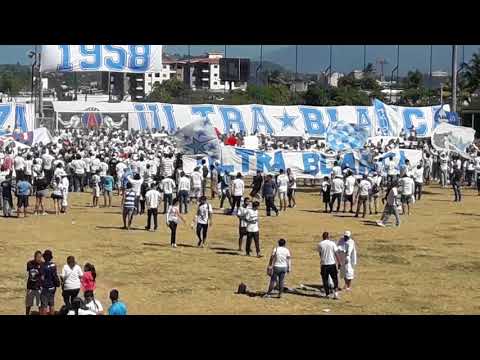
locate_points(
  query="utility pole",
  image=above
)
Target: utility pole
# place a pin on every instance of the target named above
(296, 71)
(454, 78)
(224, 81)
(40, 97)
(398, 61)
(364, 57)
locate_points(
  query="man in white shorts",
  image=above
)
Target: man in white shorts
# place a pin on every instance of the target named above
(282, 183)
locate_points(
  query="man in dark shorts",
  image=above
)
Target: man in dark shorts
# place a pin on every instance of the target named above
(24, 189)
(33, 283)
(50, 282)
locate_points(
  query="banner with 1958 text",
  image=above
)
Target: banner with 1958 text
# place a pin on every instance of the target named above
(112, 58)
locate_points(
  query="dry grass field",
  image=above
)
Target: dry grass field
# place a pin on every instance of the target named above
(430, 265)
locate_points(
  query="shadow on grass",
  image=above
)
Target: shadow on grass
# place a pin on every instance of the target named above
(156, 244)
(187, 246)
(370, 223)
(233, 253)
(442, 200)
(315, 211)
(222, 248)
(119, 228)
(467, 214)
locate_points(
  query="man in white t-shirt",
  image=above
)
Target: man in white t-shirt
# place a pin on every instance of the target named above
(168, 186)
(336, 170)
(390, 206)
(391, 168)
(197, 178)
(329, 259)
(417, 174)
(364, 188)
(407, 188)
(251, 218)
(152, 201)
(238, 188)
(204, 218)
(19, 165)
(183, 192)
(337, 190)
(292, 187)
(349, 189)
(282, 185)
(79, 167)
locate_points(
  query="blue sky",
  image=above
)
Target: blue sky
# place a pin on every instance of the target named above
(311, 58)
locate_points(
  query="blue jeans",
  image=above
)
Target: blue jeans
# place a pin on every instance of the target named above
(278, 276)
(183, 195)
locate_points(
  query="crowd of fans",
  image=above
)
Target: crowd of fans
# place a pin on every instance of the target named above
(145, 169)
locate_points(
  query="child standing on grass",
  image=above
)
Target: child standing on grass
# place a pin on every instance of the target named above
(107, 189)
(96, 188)
(325, 191)
(89, 278)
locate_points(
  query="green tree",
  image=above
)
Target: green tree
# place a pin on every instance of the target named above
(414, 79)
(472, 74)
(348, 81)
(316, 95)
(172, 90)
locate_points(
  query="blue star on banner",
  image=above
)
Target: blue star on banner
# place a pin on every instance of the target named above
(287, 120)
(196, 147)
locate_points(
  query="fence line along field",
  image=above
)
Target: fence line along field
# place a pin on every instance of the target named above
(430, 265)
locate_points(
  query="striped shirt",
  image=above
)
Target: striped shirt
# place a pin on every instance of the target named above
(129, 202)
(167, 166)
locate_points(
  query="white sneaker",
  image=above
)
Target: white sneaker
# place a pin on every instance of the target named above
(335, 296)
(174, 245)
(381, 224)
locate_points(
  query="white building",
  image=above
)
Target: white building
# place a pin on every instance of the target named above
(204, 74)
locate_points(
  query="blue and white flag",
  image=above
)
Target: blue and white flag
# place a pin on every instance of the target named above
(343, 136)
(198, 138)
(447, 137)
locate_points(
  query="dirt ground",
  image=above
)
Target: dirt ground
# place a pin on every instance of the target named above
(430, 265)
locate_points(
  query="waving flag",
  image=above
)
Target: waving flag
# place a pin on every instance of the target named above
(198, 138)
(448, 137)
(345, 137)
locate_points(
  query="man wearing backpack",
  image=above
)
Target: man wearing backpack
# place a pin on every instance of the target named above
(49, 284)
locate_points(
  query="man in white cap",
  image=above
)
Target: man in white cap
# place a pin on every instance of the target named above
(347, 253)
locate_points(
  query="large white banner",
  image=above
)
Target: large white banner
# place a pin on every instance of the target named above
(311, 121)
(7, 117)
(113, 58)
(304, 164)
(16, 116)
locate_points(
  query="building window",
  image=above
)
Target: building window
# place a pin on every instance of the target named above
(164, 66)
(215, 66)
(157, 74)
(164, 75)
(215, 83)
(149, 75)
(215, 74)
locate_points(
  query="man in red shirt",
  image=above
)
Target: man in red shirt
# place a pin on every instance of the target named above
(231, 140)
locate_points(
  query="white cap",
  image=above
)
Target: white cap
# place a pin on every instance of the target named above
(347, 234)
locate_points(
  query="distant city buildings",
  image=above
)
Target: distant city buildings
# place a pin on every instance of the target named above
(199, 73)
